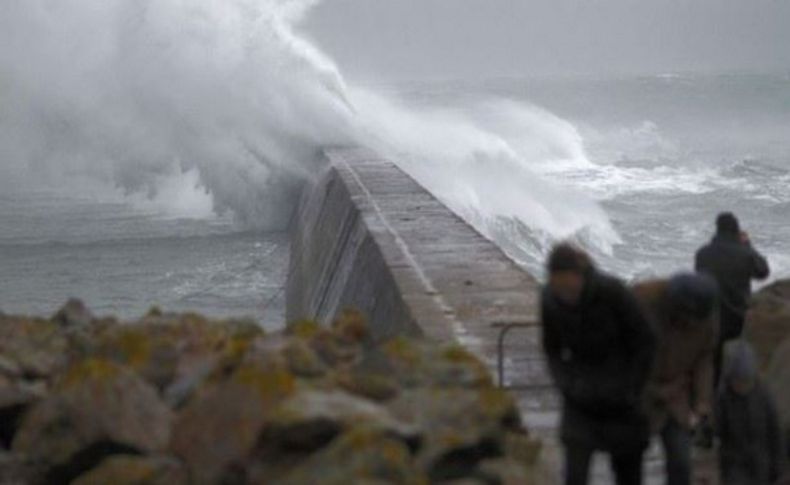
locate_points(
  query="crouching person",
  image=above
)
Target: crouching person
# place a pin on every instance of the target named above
(599, 347)
(680, 393)
(752, 450)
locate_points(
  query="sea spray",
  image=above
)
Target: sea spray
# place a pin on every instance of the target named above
(225, 98)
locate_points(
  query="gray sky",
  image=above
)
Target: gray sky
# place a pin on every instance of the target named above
(417, 39)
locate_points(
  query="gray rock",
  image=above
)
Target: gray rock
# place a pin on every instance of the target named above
(73, 314)
(97, 409)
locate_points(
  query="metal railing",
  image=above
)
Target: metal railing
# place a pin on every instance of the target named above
(504, 329)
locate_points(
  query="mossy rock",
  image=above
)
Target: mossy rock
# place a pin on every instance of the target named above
(36, 347)
(370, 385)
(134, 470)
(303, 361)
(417, 363)
(218, 429)
(303, 329)
(360, 456)
(310, 419)
(73, 314)
(460, 427)
(97, 407)
(351, 325)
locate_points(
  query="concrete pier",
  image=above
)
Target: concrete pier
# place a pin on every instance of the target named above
(367, 236)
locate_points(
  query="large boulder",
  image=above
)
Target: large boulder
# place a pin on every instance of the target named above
(360, 456)
(768, 320)
(460, 427)
(134, 470)
(16, 397)
(73, 314)
(97, 408)
(167, 348)
(180, 399)
(14, 469)
(31, 348)
(218, 429)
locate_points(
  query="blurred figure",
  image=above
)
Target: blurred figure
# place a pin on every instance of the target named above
(600, 348)
(680, 393)
(752, 451)
(733, 263)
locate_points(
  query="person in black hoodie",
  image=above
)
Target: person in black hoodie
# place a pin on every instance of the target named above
(600, 348)
(732, 261)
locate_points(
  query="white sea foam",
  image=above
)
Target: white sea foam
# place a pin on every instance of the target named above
(182, 100)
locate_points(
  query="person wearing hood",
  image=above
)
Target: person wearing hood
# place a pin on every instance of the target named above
(752, 450)
(599, 345)
(680, 393)
(732, 261)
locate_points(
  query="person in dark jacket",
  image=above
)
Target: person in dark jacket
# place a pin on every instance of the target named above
(733, 263)
(752, 450)
(599, 346)
(680, 392)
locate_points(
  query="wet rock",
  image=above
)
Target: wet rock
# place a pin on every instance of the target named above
(311, 419)
(218, 429)
(360, 456)
(504, 471)
(374, 386)
(97, 409)
(460, 427)
(414, 363)
(303, 361)
(192, 373)
(14, 470)
(164, 349)
(9, 368)
(32, 348)
(73, 314)
(768, 320)
(179, 398)
(135, 470)
(16, 397)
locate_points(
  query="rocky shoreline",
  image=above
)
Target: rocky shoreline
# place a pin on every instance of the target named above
(181, 399)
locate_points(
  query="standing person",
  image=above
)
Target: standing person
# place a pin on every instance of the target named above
(733, 263)
(752, 452)
(600, 347)
(680, 392)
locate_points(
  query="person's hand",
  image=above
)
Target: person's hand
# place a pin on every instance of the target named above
(745, 239)
(694, 421)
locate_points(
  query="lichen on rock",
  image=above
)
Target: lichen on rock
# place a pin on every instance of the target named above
(182, 399)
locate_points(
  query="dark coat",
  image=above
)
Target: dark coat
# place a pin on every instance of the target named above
(733, 264)
(682, 377)
(600, 354)
(752, 451)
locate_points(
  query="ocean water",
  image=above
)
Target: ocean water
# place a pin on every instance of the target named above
(661, 155)
(151, 152)
(122, 257)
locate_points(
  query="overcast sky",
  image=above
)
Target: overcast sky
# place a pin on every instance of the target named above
(418, 39)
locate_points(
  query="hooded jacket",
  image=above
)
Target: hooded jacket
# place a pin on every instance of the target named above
(681, 381)
(733, 264)
(600, 353)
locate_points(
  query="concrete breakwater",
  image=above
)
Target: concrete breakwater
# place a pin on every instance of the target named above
(368, 236)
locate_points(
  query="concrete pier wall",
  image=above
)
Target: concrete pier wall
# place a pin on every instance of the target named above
(367, 236)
